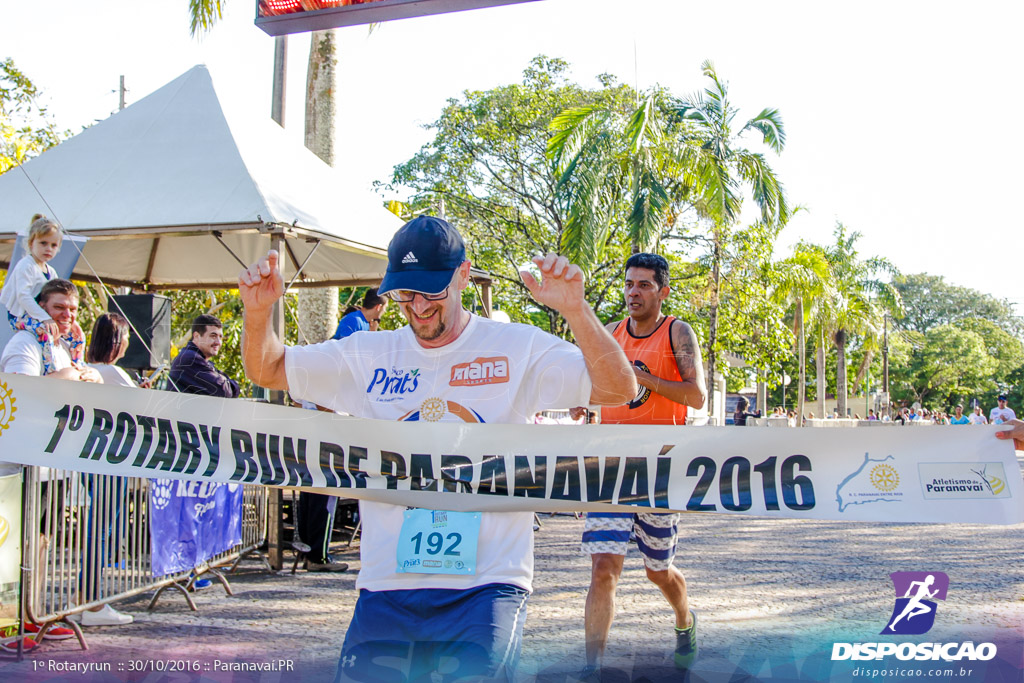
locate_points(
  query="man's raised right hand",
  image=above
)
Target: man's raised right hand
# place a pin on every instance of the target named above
(261, 285)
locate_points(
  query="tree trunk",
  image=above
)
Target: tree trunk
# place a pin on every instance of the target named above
(318, 307)
(321, 77)
(819, 370)
(841, 372)
(862, 371)
(801, 342)
(716, 281)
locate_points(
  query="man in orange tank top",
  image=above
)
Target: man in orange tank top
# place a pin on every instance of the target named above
(667, 362)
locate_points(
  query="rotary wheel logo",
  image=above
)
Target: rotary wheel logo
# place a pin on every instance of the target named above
(885, 477)
(433, 409)
(161, 493)
(5, 528)
(7, 407)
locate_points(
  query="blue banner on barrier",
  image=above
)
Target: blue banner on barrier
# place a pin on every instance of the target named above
(192, 521)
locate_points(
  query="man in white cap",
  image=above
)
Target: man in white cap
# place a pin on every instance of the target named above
(471, 615)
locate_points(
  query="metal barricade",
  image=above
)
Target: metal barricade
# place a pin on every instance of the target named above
(87, 543)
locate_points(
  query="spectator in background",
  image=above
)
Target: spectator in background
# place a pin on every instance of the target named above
(366, 318)
(107, 345)
(977, 418)
(192, 372)
(23, 355)
(871, 414)
(958, 416)
(1001, 413)
(739, 418)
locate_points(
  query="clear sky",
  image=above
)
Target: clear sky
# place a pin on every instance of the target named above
(902, 118)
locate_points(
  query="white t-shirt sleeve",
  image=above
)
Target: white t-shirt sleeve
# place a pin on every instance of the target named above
(320, 374)
(556, 375)
(22, 355)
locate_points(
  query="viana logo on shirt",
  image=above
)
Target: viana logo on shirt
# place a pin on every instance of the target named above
(396, 382)
(480, 371)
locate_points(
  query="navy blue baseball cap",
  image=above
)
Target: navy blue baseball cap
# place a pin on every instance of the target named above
(423, 256)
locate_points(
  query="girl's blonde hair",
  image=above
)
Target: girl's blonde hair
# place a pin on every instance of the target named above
(40, 226)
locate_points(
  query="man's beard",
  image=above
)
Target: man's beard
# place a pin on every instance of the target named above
(431, 335)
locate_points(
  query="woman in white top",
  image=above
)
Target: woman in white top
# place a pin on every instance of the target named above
(107, 345)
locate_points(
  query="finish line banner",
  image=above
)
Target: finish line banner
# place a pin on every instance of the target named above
(939, 474)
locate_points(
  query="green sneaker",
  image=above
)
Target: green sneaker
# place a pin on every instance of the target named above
(686, 644)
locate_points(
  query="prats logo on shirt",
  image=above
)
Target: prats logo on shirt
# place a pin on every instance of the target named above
(396, 382)
(492, 370)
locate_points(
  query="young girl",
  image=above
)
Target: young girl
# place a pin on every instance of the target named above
(22, 285)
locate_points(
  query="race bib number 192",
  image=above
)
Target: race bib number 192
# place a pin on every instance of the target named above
(438, 542)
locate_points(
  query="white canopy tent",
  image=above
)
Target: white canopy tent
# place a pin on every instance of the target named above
(180, 189)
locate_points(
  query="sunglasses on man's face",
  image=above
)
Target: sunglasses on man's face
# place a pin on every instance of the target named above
(404, 296)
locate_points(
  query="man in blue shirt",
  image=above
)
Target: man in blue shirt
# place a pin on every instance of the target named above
(364, 318)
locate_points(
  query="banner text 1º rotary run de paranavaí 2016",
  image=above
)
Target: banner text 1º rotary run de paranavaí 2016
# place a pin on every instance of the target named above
(938, 474)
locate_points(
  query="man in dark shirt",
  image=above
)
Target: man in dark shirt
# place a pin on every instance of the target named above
(192, 372)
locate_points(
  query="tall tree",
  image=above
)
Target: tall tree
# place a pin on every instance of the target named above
(722, 169)
(487, 165)
(317, 307)
(614, 163)
(804, 280)
(860, 299)
(930, 301)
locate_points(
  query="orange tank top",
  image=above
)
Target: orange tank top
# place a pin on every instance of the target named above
(655, 355)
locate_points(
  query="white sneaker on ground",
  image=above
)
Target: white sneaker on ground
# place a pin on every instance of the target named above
(106, 616)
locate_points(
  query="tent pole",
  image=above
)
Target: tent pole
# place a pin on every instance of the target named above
(275, 526)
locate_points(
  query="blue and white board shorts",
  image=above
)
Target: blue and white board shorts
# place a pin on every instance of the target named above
(608, 533)
(435, 634)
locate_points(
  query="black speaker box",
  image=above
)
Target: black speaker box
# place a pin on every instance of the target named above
(150, 318)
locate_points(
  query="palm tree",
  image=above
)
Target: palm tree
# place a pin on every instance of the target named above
(860, 299)
(608, 161)
(804, 281)
(666, 152)
(719, 168)
(317, 307)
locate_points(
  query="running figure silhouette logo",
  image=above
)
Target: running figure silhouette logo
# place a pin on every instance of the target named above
(914, 612)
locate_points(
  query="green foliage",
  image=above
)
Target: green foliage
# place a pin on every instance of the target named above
(26, 128)
(487, 169)
(930, 301)
(947, 362)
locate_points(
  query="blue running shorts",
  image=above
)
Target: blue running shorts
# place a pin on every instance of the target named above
(435, 634)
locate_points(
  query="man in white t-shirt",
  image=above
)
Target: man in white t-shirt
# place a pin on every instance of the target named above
(1001, 413)
(23, 354)
(445, 365)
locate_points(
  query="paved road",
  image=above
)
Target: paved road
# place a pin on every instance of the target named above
(760, 586)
